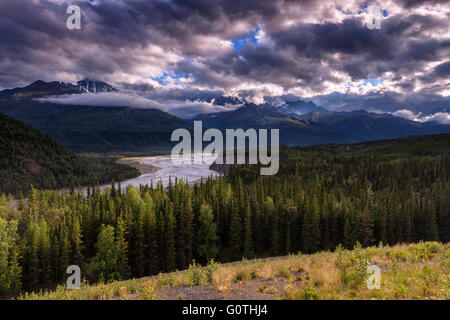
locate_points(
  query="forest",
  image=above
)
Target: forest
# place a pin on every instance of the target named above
(28, 157)
(392, 192)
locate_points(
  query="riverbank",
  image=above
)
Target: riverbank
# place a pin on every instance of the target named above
(135, 162)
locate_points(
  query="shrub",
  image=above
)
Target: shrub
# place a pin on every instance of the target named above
(425, 250)
(241, 275)
(210, 269)
(284, 272)
(308, 293)
(398, 254)
(148, 291)
(165, 280)
(195, 275)
(354, 272)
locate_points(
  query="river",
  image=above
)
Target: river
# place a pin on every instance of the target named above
(165, 168)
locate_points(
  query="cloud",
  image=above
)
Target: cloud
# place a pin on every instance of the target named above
(253, 48)
(441, 117)
(185, 109)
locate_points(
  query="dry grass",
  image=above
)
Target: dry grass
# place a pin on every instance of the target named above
(408, 271)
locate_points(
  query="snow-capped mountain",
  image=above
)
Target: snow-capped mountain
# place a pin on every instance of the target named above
(94, 86)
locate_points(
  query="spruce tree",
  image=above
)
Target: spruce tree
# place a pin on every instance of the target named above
(207, 234)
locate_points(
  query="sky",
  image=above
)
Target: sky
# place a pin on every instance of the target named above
(175, 54)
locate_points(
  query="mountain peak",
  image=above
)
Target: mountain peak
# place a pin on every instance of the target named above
(92, 86)
(40, 88)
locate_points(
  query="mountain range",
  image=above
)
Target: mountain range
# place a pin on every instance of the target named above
(90, 128)
(39, 89)
(84, 128)
(314, 127)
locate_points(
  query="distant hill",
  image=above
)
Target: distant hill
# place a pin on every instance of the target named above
(301, 107)
(28, 157)
(364, 126)
(97, 129)
(292, 131)
(316, 127)
(90, 128)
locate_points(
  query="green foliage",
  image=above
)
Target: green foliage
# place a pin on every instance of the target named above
(8, 273)
(195, 274)
(425, 250)
(353, 270)
(308, 293)
(207, 234)
(147, 291)
(99, 129)
(211, 267)
(104, 266)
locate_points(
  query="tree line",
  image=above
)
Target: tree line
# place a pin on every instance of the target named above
(319, 199)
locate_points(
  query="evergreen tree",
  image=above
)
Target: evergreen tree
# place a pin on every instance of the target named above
(207, 234)
(236, 234)
(248, 244)
(122, 247)
(311, 227)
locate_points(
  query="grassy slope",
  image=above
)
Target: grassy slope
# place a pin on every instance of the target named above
(414, 271)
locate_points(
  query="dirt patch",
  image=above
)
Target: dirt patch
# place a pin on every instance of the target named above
(189, 293)
(256, 289)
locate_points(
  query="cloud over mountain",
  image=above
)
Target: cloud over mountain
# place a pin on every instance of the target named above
(185, 109)
(251, 48)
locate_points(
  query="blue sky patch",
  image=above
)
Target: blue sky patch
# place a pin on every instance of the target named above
(241, 42)
(164, 78)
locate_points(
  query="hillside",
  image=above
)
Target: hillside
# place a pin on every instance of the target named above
(293, 132)
(303, 129)
(97, 129)
(90, 128)
(28, 157)
(415, 271)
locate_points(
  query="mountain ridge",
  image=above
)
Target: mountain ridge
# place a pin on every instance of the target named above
(40, 88)
(318, 128)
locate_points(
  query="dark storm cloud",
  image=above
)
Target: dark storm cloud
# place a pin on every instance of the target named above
(442, 70)
(312, 47)
(416, 3)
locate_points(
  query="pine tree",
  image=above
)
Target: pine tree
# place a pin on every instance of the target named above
(8, 230)
(431, 229)
(122, 247)
(15, 271)
(207, 234)
(311, 227)
(248, 243)
(236, 234)
(188, 230)
(77, 243)
(138, 245)
(170, 257)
